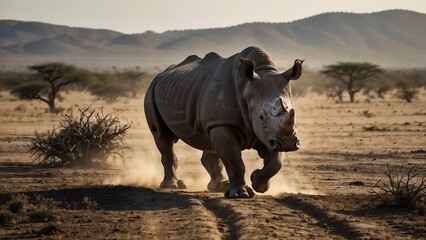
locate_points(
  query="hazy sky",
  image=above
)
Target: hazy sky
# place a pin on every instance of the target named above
(136, 16)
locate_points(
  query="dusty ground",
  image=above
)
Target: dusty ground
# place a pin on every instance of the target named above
(322, 192)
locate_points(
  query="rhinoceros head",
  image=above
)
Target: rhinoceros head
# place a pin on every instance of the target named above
(267, 94)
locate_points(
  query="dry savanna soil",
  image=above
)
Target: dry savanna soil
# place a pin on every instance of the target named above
(322, 192)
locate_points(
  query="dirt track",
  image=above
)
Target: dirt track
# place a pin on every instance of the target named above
(132, 212)
(344, 153)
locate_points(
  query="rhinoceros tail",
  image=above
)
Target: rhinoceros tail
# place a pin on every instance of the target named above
(155, 122)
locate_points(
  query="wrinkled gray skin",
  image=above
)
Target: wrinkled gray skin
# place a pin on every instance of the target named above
(223, 106)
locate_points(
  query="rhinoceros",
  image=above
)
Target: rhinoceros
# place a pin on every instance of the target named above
(222, 106)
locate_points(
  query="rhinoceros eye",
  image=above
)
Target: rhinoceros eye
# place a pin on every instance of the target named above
(262, 118)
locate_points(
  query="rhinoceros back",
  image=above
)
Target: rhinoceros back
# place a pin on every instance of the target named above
(179, 97)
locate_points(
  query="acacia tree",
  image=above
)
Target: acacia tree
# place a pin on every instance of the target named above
(9, 79)
(380, 85)
(409, 83)
(107, 87)
(48, 80)
(335, 91)
(352, 74)
(407, 90)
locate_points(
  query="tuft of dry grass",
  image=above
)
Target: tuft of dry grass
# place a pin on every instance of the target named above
(5, 215)
(89, 204)
(367, 114)
(18, 203)
(20, 208)
(41, 214)
(43, 210)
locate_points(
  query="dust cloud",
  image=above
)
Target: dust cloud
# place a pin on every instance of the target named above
(287, 180)
(139, 171)
(291, 183)
(144, 169)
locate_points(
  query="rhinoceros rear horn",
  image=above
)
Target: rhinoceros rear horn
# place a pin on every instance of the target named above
(246, 68)
(295, 72)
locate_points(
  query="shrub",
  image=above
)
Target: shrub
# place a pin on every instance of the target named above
(19, 208)
(18, 204)
(405, 188)
(407, 91)
(110, 91)
(87, 140)
(41, 214)
(89, 204)
(5, 215)
(43, 210)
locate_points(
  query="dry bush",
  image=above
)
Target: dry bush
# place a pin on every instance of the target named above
(89, 204)
(87, 140)
(19, 209)
(14, 208)
(5, 215)
(406, 187)
(18, 204)
(44, 210)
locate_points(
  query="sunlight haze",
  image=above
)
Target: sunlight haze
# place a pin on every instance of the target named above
(136, 16)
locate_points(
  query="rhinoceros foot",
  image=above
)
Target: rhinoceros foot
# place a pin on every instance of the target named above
(257, 183)
(173, 184)
(218, 186)
(239, 192)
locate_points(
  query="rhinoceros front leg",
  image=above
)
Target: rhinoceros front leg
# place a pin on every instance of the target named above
(214, 166)
(272, 164)
(170, 164)
(226, 142)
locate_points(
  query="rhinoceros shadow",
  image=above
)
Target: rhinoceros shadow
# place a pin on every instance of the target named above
(107, 197)
(113, 198)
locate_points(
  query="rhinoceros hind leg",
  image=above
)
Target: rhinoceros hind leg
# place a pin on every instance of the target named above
(181, 184)
(173, 184)
(218, 186)
(239, 192)
(214, 167)
(169, 161)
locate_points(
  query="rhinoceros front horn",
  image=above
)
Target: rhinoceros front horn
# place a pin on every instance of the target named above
(295, 72)
(287, 122)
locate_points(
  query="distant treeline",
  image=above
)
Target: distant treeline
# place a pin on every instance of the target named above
(45, 82)
(352, 79)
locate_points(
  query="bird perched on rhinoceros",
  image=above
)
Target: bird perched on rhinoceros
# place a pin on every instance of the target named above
(223, 106)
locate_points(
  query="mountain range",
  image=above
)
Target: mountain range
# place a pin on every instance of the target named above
(392, 38)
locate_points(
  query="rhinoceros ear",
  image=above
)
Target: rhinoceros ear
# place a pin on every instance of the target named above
(246, 68)
(295, 72)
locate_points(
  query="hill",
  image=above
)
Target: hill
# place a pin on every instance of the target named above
(390, 38)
